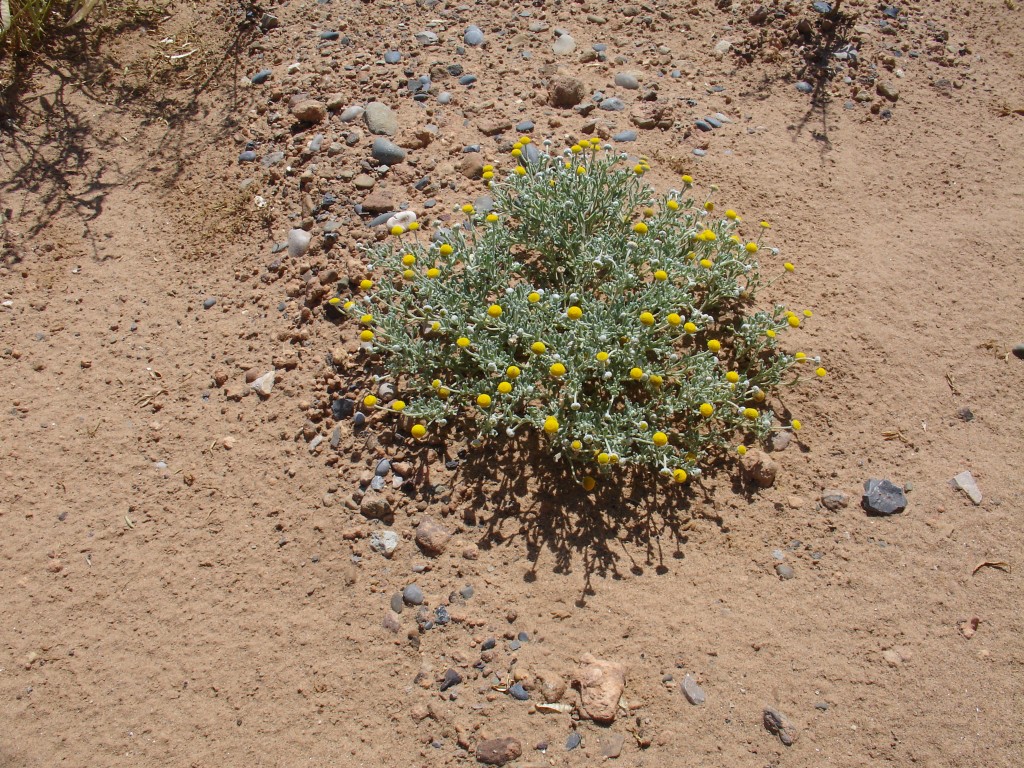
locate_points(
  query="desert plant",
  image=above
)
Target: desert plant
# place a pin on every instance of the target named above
(25, 23)
(619, 325)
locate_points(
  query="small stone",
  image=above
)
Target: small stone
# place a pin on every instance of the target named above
(473, 36)
(795, 502)
(298, 242)
(467, 79)
(310, 111)
(784, 571)
(693, 692)
(466, 592)
(261, 77)
(426, 37)
(703, 125)
(498, 751)
(351, 113)
(625, 136)
(778, 724)
(573, 741)
(804, 87)
(887, 90)
(822, 7)
(384, 542)
(1018, 351)
(472, 166)
(601, 685)
(627, 80)
(722, 47)
(760, 469)
(613, 104)
(387, 152)
(565, 92)
(208, 304)
(397, 603)
(564, 45)
(518, 692)
(525, 126)
(264, 385)
(432, 537)
(451, 679)
(965, 414)
(380, 119)
(781, 440)
(412, 595)
(882, 497)
(965, 482)
(488, 644)
(759, 15)
(551, 685)
(821, 706)
(247, 157)
(392, 622)
(392, 57)
(892, 658)
(375, 506)
(611, 745)
(834, 500)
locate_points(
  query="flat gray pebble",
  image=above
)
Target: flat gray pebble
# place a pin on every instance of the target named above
(624, 136)
(693, 692)
(392, 57)
(413, 595)
(518, 692)
(785, 572)
(573, 741)
(612, 105)
(397, 603)
(208, 304)
(627, 80)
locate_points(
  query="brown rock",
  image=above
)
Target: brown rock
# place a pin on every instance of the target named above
(310, 111)
(391, 622)
(888, 91)
(760, 469)
(220, 377)
(611, 745)
(496, 126)
(498, 751)
(432, 537)
(376, 507)
(834, 499)
(472, 166)
(566, 92)
(777, 723)
(550, 685)
(378, 202)
(601, 684)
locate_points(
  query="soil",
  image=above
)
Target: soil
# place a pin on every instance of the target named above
(186, 576)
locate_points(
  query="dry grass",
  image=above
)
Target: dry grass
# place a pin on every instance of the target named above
(25, 24)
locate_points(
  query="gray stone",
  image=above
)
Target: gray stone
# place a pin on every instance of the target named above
(384, 542)
(380, 119)
(834, 499)
(392, 57)
(473, 36)
(264, 385)
(413, 595)
(702, 125)
(387, 152)
(693, 692)
(564, 45)
(887, 90)
(426, 37)
(518, 692)
(298, 242)
(804, 87)
(1018, 351)
(261, 77)
(375, 506)
(722, 47)
(627, 80)
(778, 724)
(612, 105)
(573, 741)
(624, 136)
(781, 440)
(247, 157)
(364, 181)
(208, 304)
(525, 126)
(785, 572)
(965, 482)
(444, 98)
(352, 113)
(882, 497)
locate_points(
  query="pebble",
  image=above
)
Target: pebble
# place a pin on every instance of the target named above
(451, 679)
(822, 7)
(760, 468)
(272, 159)
(264, 385)
(699, 152)
(525, 126)
(564, 45)
(432, 537)
(380, 119)
(387, 152)
(565, 91)
(397, 603)
(611, 745)
(1018, 351)
(498, 751)
(392, 57)
(359, 418)
(247, 157)
(518, 692)
(208, 304)
(473, 36)
(329, 34)
(261, 77)
(364, 181)
(834, 500)
(722, 47)
(351, 113)
(413, 595)
(612, 105)
(781, 440)
(426, 37)
(627, 80)
(624, 136)
(310, 111)
(804, 87)
(467, 79)
(965, 482)
(887, 90)
(384, 542)
(601, 685)
(703, 125)
(777, 723)
(298, 242)
(693, 692)
(573, 741)
(444, 98)
(466, 592)
(488, 644)
(785, 572)
(882, 497)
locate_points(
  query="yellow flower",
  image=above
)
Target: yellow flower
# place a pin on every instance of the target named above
(679, 475)
(795, 423)
(483, 400)
(446, 250)
(520, 171)
(525, 140)
(636, 373)
(661, 274)
(687, 179)
(533, 298)
(366, 284)
(638, 169)
(706, 409)
(418, 430)
(659, 439)
(487, 175)
(408, 274)
(672, 205)
(640, 228)
(580, 170)
(732, 377)
(800, 355)
(655, 379)
(462, 341)
(673, 319)
(603, 458)
(435, 383)
(414, 226)
(751, 413)
(538, 347)
(731, 214)
(366, 319)
(397, 229)
(408, 259)
(808, 313)
(575, 149)
(794, 321)
(601, 357)
(751, 247)
(706, 263)
(647, 318)
(709, 206)
(433, 272)
(504, 387)
(714, 345)
(576, 445)
(766, 225)
(821, 372)
(494, 310)
(467, 208)
(707, 236)
(557, 370)
(741, 450)
(551, 425)
(689, 327)
(492, 217)
(735, 239)
(366, 336)
(585, 143)
(770, 333)
(789, 267)
(334, 301)
(369, 401)
(574, 313)
(435, 326)
(443, 392)
(759, 396)
(488, 168)
(512, 371)
(517, 152)
(589, 483)
(398, 405)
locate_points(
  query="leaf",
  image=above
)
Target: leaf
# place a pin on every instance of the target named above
(1000, 564)
(84, 9)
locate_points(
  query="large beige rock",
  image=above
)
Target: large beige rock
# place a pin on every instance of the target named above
(601, 684)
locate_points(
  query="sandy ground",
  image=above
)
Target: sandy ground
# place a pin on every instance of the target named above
(186, 582)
